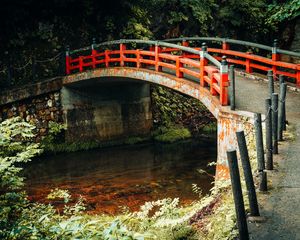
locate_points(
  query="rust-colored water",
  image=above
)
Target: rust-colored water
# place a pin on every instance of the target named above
(124, 176)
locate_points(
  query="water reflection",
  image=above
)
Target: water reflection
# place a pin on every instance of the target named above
(124, 176)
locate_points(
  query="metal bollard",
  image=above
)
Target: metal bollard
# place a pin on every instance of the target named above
(281, 79)
(270, 82)
(281, 123)
(247, 173)
(259, 142)
(269, 148)
(275, 122)
(237, 195)
(263, 185)
(232, 87)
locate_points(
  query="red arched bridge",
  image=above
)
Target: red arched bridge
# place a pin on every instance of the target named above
(200, 72)
(208, 66)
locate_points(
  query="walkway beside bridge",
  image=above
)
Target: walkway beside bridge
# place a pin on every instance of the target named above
(281, 205)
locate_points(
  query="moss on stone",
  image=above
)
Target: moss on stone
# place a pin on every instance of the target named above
(171, 134)
(210, 128)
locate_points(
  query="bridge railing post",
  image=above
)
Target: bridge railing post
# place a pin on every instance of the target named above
(80, 63)
(275, 55)
(138, 56)
(224, 81)
(225, 45)
(179, 65)
(248, 63)
(94, 52)
(68, 58)
(157, 50)
(106, 55)
(122, 56)
(298, 75)
(184, 43)
(203, 63)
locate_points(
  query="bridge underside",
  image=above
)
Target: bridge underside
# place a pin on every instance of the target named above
(228, 121)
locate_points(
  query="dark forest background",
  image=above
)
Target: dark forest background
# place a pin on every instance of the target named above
(43, 28)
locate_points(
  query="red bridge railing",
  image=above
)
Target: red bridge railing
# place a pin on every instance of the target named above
(274, 59)
(206, 70)
(208, 66)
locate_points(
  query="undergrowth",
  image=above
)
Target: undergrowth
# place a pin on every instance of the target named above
(210, 217)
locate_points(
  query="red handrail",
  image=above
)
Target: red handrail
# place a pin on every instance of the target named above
(156, 59)
(251, 61)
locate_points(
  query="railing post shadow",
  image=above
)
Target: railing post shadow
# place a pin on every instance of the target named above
(224, 82)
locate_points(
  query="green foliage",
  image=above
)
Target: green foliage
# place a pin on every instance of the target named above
(59, 194)
(16, 147)
(210, 128)
(55, 134)
(171, 134)
(287, 11)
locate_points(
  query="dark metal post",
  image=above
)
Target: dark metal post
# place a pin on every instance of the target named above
(237, 195)
(281, 107)
(269, 148)
(271, 82)
(275, 122)
(281, 79)
(263, 186)
(259, 142)
(232, 87)
(247, 173)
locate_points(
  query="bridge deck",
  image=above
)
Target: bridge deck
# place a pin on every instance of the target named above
(281, 207)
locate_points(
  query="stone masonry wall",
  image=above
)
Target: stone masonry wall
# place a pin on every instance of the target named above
(38, 110)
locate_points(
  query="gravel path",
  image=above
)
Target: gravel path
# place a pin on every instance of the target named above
(281, 206)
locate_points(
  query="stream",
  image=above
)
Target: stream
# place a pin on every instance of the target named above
(112, 178)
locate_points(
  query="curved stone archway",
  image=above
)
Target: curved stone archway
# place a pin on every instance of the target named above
(228, 121)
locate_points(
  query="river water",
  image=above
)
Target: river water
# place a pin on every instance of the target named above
(126, 176)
